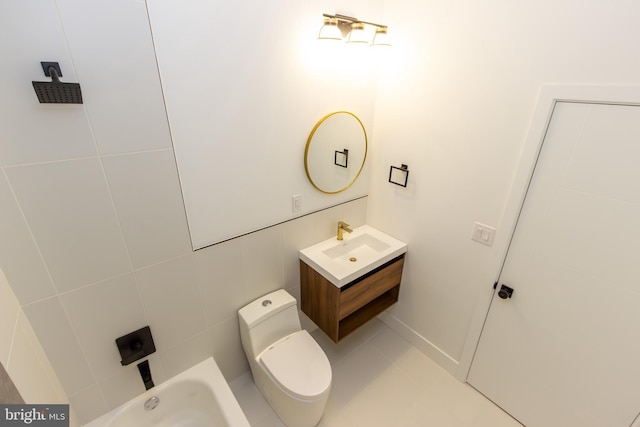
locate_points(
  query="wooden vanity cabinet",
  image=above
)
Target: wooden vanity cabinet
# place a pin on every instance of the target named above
(340, 311)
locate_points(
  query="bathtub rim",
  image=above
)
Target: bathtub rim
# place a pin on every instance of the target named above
(206, 372)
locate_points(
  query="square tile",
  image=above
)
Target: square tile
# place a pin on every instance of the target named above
(187, 353)
(327, 222)
(9, 311)
(20, 258)
(390, 344)
(101, 313)
(60, 344)
(148, 200)
(221, 279)
(127, 115)
(355, 212)
(69, 210)
(227, 348)
(374, 405)
(424, 371)
(35, 132)
(262, 261)
(89, 403)
(172, 300)
(455, 397)
(354, 373)
(30, 370)
(296, 234)
(427, 412)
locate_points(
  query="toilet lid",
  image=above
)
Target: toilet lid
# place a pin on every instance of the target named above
(299, 365)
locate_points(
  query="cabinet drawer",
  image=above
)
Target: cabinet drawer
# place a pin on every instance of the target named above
(370, 288)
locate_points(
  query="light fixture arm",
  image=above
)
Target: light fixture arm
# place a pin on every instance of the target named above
(337, 27)
(351, 20)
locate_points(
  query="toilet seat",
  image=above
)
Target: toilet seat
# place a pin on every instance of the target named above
(298, 365)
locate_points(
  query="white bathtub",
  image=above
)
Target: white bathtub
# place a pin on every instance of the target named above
(198, 397)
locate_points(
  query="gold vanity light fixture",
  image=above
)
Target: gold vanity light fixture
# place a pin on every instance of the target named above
(342, 27)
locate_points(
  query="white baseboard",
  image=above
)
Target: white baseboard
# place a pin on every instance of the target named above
(420, 342)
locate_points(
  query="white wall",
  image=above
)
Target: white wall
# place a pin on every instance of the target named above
(454, 103)
(244, 84)
(23, 357)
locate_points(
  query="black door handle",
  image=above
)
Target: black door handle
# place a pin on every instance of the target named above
(505, 292)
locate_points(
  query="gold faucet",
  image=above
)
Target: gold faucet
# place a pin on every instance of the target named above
(342, 227)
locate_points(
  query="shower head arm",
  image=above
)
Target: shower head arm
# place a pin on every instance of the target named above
(54, 74)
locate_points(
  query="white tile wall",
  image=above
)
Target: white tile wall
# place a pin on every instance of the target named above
(262, 260)
(22, 262)
(172, 287)
(33, 132)
(227, 348)
(109, 309)
(296, 235)
(23, 357)
(187, 353)
(88, 402)
(123, 120)
(59, 341)
(69, 210)
(8, 318)
(146, 192)
(30, 369)
(222, 284)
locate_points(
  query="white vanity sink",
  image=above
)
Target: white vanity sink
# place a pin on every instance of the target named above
(363, 250)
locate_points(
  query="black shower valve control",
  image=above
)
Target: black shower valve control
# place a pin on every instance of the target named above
(135, 345)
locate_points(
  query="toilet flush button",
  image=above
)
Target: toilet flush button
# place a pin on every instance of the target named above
(266, 303)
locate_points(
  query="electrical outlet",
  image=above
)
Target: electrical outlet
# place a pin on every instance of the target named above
(483, 233)
(296, 203)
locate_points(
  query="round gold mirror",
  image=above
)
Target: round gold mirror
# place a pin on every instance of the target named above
(336, 151)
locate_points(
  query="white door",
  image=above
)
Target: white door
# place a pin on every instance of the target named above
(564, 350)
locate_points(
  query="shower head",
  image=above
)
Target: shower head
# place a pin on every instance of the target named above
(55, 91)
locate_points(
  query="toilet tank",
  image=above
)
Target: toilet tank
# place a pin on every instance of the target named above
(266, 320)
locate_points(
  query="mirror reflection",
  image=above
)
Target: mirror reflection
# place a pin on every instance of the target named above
(336, 151)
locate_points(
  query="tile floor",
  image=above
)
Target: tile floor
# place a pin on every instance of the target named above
(379, 379)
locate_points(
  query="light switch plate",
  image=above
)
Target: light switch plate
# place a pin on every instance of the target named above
(296, 203)
(483, 233)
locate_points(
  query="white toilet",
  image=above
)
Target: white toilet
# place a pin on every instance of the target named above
(288, 366)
